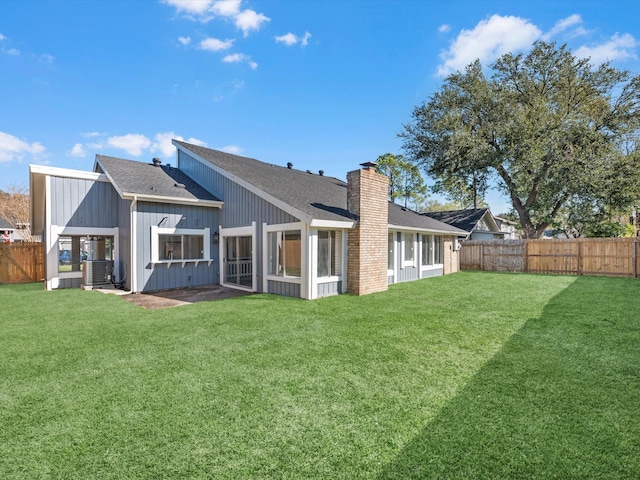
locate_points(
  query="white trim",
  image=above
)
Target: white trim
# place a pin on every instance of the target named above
(67, 173)
(328, 279)
(251, 231)
(425, 230)
(333, 224)
(174, 200)
(260, 193)
(133, 218)
(405, 262)
(345, 252)
(53, 237)
(304, 254)
(51, 270)
(205, 233)
(265, 263)
(285, 227)
(393, 272)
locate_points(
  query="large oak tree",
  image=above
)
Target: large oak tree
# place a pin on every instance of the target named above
(546, 125)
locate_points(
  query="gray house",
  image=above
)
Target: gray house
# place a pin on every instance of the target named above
(217, 218)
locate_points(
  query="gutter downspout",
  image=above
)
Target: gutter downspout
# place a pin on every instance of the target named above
(133, 246)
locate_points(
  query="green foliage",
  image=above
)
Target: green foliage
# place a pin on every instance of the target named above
(548, 125)
(405, 181)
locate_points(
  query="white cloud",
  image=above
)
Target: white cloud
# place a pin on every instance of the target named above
(290, 39)
(234, 149)
(240, 57)
(2, 37)
(444, 28)
(13, 148)
(305, 40)
(13, 51)
(489, 39)
(78, 151)
(184, 40)
(92, 134)
(562, 25)
(248, 20)
(215, 45)
(226, 8)
(191, 7)
(46, 58)
(163, 143)
(619, 47)
(132, 143)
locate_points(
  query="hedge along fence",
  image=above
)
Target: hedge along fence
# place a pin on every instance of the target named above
(21, 262)
(615, 257)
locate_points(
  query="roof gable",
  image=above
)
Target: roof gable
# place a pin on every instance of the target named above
(466, 219)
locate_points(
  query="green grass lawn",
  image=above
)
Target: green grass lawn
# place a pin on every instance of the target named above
(473, 375)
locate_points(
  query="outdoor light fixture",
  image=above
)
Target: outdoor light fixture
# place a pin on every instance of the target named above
(216, 237)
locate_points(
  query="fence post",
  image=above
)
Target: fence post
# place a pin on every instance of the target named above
(526, 255)
(579, 257)
(481, 257)
(634, 256)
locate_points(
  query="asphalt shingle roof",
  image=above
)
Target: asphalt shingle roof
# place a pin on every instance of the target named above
(464, 219)
(320, 197)
(139, 178)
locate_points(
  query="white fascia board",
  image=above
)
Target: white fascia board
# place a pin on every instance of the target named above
(403, 228)
(243, 183)
(173, 200)
(106, 174)
(67, 173)
(317, 223)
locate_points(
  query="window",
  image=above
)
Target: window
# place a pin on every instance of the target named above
(181, 247)
(285, 253)
(439, 250)
(329, 253)
(427, 250)
(391, 254)
(173, 244)
(409, 249)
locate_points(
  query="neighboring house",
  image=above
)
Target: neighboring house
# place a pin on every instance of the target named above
(7, 232)
(217, 218)
(508, 227)
(479, 222)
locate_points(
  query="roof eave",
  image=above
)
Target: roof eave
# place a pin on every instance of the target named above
(173, 200)
(457, 232)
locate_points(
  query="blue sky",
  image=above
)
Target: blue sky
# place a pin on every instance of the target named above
(322, 84)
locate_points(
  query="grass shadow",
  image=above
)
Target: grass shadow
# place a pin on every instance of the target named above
(560, 399)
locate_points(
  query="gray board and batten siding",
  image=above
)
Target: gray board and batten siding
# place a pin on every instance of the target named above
(83, 203)
(163, 276)
(241, 208)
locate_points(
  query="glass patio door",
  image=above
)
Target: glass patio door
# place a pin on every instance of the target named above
(238, 261)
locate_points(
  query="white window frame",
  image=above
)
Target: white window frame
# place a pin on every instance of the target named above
(330, 278)
(434, 265)
(205, 233)
(394, 239)
(412, 262)
(285, 227)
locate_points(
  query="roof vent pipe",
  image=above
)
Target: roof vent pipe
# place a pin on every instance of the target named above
(289, 165)
(321, 173)
(156, 162)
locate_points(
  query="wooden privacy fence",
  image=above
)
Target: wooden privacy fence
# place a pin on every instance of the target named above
(21, 262)
(615, 257)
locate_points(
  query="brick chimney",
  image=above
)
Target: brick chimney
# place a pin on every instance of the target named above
(367, 242)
